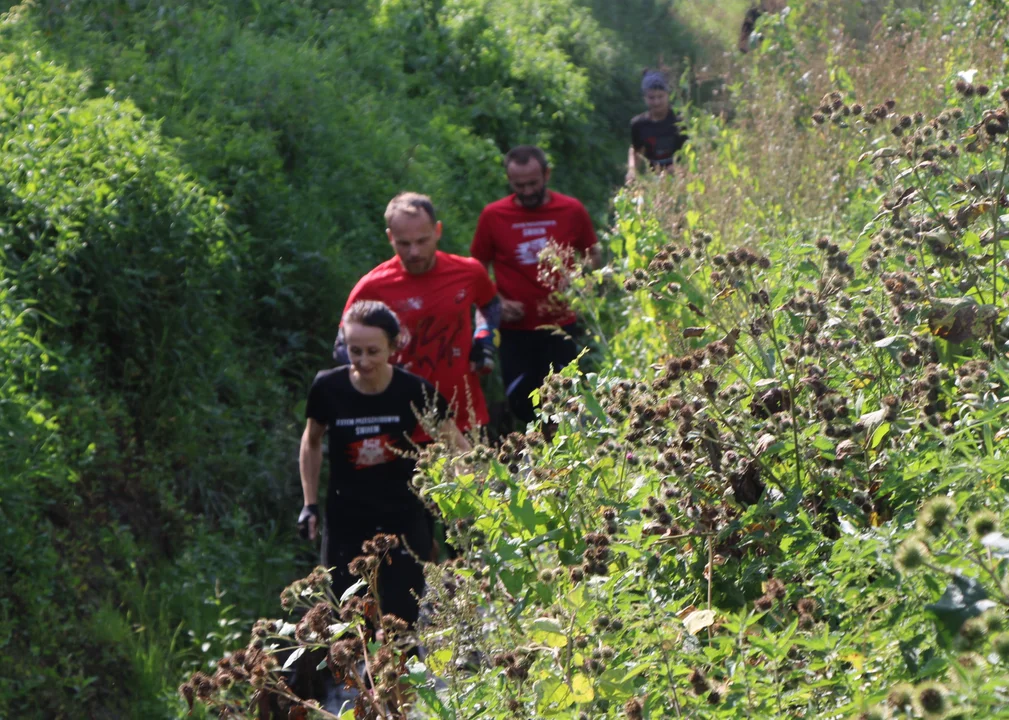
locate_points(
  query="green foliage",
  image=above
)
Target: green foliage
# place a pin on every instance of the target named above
(546, 81)
(308, 117)
(803, 330)
(124, 400)
(782, 495)
(728, 506)
(676, 30)
(67, 243)
(189, 192)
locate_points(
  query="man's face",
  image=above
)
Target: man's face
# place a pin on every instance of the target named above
(657, 100)
(528, 182)
(414, 238)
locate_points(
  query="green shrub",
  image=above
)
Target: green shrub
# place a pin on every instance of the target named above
(308, 117)
(189, 191)
(124, 398)
(783, 494)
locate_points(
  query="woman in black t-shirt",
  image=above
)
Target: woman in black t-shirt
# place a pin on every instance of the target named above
(371, 411)
(656, 134)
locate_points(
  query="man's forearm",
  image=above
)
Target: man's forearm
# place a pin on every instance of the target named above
(633, 161)
(310, 464)
(486, 337)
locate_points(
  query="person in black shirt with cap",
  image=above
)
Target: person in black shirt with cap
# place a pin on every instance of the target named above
(656, 134)
(371, 410)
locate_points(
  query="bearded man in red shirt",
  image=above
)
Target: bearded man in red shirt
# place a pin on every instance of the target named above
(433, 294)
(510, 236)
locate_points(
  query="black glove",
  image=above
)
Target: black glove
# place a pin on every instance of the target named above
(307, 512)
(482, 354)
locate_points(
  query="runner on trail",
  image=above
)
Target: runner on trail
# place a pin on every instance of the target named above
(433, 293)
(510, 235)
(655, 134)
(371, 411)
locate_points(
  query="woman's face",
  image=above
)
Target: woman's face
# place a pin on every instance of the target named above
(368, 347)
(657, 100)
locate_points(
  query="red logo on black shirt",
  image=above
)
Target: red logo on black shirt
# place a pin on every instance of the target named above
(370, 452)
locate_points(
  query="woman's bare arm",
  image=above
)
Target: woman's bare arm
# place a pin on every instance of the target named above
(451, 433)
(310, 464)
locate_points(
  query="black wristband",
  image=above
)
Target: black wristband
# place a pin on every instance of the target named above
(482, 351)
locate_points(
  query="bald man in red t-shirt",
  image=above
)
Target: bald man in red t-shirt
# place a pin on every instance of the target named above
(510, 236)
(433, 294)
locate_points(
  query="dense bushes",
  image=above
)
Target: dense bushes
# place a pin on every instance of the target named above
(785, 494)
(307, 117)
(189, 190)
(124, 399)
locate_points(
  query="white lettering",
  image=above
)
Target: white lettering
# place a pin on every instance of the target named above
(351, 422)
(365, 429)
(528, 253)
(533, 224)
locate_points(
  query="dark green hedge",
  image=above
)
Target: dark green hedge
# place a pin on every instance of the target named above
(126, 399)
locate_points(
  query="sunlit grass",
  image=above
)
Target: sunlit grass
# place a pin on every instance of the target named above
(716, 21)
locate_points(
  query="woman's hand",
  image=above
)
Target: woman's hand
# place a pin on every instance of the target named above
(453, 436)
(308, 522)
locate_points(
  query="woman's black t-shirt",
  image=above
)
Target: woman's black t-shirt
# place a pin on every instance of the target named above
(659, 141)
(368, 434)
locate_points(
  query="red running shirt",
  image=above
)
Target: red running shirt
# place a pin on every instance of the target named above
(436, 310)
(512, 237)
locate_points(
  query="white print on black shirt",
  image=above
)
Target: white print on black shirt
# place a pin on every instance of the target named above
(366, 425)
(349, 422)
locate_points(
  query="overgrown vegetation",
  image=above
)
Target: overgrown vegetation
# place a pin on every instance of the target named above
(784, 496)
(308, 116)
(126, 406)
(189, 191)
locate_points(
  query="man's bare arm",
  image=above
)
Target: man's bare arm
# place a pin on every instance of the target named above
(488, 317)
(595, 255)
(632, 165)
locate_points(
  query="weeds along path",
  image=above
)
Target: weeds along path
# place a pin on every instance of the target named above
(190, 189)
(784, 493)
(781, 495)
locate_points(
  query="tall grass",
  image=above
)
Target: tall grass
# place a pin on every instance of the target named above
(770, 170)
